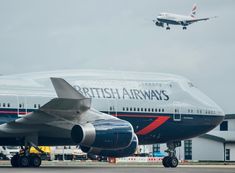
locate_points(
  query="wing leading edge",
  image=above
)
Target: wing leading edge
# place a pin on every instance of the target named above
(69, 105)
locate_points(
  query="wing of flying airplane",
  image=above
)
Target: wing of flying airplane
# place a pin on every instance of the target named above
(190, 21)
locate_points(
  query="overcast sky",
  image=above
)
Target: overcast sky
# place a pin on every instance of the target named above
(120, 35)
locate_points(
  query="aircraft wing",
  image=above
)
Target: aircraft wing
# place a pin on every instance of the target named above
(70, 108)
(198, 19)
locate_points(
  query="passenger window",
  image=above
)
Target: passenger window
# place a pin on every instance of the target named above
(3, 104)
(152, 110)
(138, 109)
(123, 109)
(134, 109)
(145, 109)
(148, 109)
(159, 110)
(130, 109)
(8, 104)
(35, 106)
(162, 110)
(156, 110)
(127, 109)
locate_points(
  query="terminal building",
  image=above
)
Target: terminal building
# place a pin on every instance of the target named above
(216, 145)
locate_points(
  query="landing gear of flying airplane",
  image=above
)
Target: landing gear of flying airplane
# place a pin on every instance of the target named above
(168, 28)
(171, 160)
(26, 159)
(184, 28)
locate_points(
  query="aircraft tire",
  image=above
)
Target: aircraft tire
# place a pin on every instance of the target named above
(23, 161)
(15, 161)
(173, 162)
(35, 161)
(165, 161)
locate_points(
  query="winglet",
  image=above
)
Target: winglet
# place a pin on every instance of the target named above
(65, 90)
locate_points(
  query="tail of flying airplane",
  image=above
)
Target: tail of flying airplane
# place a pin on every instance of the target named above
(194, 9)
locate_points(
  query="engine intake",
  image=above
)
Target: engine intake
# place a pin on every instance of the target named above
(105, 134)
(159, 24)
(128, 151)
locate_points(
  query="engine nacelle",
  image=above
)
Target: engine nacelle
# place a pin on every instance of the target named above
(105, 134)
(184, 23)
(159, 24)
(128, 151)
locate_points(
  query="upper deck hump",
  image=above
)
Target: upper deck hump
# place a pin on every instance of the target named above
(97, 74)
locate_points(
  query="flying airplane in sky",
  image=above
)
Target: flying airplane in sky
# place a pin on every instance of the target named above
(176, 19)
(105, 113)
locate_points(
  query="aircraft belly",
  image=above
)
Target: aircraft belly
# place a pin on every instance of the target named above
(189, 126)
(172, 22)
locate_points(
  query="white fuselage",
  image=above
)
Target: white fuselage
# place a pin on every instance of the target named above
(126, 95)
(136, 90)
(174, 19)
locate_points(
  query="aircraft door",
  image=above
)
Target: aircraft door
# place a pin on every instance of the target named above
(177, 111)
(112, 107)
(22, 106)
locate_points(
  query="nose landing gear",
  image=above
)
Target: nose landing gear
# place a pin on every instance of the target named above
(171, 160)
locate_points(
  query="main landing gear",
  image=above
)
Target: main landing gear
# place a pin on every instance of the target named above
(171, 160)
(168, 28)
(25, 159)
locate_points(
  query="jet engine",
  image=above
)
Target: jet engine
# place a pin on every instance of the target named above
(159, 24)
(105, 134)
(128, 151)
(184, 23)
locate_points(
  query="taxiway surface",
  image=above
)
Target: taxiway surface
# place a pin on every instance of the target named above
(99, 167)
(115, 170)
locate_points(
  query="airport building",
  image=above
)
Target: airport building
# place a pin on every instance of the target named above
(217, 145)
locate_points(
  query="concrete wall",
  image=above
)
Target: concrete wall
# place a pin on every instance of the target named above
(231, 125)
(206, 149)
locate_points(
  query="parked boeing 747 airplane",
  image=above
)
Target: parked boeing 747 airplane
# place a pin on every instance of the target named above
(176, 19)
(105, 113)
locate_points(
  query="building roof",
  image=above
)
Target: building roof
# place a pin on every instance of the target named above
(230, 116)
(213, 137)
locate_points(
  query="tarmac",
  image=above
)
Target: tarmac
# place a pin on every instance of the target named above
(104, 167)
